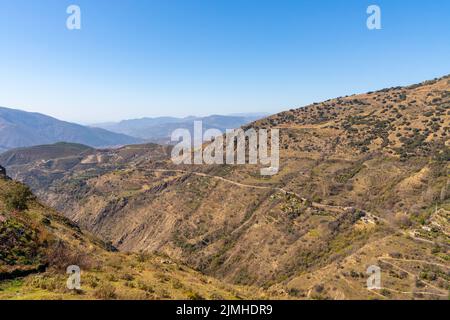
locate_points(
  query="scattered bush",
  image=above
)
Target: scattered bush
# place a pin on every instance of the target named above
(105, 291)
(402, 220)
(17, 196)
(127, 277)
(60, 255)
(145, 287)
(194, 296)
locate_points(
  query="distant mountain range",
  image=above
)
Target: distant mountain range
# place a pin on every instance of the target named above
(160, 129)
(23, 129)
(20, 129)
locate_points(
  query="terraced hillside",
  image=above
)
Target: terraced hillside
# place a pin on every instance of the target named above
(37, 245)
(364, 180)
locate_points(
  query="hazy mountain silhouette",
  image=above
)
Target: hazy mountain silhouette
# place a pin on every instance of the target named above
(22, 129)
(159, 129)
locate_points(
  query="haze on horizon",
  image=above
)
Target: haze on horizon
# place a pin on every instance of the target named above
(179, 58)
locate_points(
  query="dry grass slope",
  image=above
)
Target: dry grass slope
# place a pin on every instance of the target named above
(37, 245)
(364, 179)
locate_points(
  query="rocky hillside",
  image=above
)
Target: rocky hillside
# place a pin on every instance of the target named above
(364, 180)
(37, 245)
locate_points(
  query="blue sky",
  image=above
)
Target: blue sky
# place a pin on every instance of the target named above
(140, 58)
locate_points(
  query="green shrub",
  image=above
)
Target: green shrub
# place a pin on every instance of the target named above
(145, 286)
(17, 196)
(194, 296)
(19, 244)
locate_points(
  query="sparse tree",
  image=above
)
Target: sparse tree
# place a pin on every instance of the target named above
(17, 196)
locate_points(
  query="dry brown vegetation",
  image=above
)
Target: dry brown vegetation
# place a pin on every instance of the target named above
(37, 245)
(366, 174)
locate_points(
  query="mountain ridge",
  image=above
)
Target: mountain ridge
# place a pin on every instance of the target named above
(22, 129)
(159, 129)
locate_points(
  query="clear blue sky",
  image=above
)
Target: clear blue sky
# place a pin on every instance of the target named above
(140, 58)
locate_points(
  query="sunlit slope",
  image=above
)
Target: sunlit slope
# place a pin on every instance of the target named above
(358, 175)
(37, 245)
